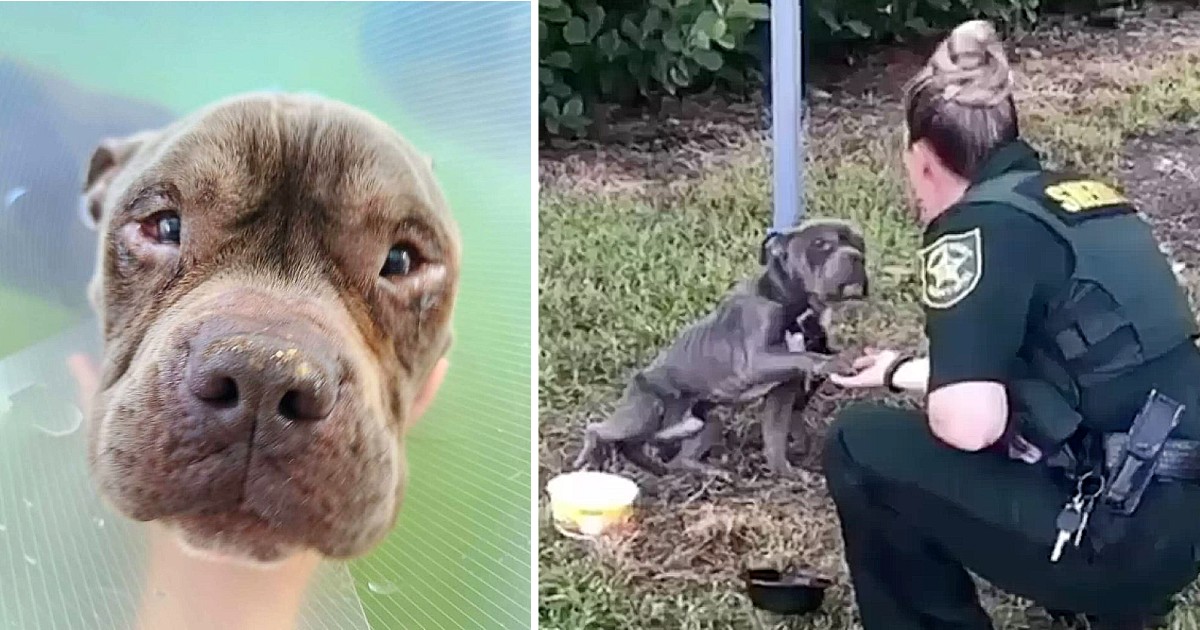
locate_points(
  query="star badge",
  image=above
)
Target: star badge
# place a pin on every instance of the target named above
(950, 268)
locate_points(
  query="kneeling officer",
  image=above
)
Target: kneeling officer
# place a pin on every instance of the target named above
(1057, 454)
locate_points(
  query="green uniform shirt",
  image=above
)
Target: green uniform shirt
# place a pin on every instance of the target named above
(978, 325)
(990, 271)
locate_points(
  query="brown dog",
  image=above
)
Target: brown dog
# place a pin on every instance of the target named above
(275, 283)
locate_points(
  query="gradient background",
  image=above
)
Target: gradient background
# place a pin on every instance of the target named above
(453, 77)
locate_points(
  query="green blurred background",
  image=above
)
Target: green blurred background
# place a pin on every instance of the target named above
(453, 77)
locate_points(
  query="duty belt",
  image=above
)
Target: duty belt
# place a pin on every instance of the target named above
(1117, 468)
(1134, 460)
(1179, 460)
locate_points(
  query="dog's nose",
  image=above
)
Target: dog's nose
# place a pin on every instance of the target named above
(261, 376)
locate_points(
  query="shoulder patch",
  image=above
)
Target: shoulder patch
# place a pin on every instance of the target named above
(1074, 198)
(1082, 195)
(950, 268)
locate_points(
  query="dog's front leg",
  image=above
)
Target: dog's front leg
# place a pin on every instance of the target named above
(807, 450)
(768, 366)
(777, 424)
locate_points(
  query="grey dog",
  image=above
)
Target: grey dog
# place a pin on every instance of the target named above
(752, 344)
(275, 282)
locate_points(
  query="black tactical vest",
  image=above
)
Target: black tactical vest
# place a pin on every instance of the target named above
(1123, 305)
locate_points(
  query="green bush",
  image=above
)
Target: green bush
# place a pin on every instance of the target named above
(894, 20)
(622, 52)
(597, 52)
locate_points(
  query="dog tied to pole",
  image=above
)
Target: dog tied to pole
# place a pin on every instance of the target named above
(739, 352)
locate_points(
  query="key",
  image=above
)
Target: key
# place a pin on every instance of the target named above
(1089, 503)
(1084, 515)
(1067, 523)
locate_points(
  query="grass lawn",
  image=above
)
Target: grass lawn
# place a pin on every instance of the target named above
(624, 264)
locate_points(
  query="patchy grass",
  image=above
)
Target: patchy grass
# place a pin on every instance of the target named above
(623, 268)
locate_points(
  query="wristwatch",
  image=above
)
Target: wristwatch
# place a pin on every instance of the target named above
(890, 373)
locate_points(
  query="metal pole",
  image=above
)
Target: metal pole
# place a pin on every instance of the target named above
(787, 113)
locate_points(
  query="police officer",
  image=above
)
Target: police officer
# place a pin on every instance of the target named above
(1051, 317)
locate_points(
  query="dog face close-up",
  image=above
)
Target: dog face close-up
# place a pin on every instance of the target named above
(825, 259)
(275, 283)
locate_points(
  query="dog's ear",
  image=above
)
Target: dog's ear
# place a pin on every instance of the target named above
(109, 157)
(772, 246)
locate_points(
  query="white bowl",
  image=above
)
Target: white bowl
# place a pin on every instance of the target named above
(588, 503)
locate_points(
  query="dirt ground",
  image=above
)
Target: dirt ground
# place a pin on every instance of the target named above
(1161, 171)
(724, 524)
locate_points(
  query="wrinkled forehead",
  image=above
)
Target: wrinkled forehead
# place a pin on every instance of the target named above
(246, 153)
(831, 230)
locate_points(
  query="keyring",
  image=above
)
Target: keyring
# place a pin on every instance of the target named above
(1079, 485)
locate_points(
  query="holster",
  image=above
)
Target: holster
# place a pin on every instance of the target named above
(1133, 467)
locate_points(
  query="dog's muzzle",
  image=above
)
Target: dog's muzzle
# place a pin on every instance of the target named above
(857, 285)
(237, 375)
(856, 290)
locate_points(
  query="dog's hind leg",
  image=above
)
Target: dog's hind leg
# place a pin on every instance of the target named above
(687, 456)
(591, 447)
(635, 452)
(638, 413)
(675, 424)
(620, 428)
(679, 421)
(695, 418)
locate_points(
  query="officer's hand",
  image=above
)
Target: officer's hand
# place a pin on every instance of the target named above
(868, 369)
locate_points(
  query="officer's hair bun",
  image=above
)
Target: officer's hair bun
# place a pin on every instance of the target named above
(971, 67)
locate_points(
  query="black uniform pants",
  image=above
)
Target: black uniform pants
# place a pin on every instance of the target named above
(916, 514)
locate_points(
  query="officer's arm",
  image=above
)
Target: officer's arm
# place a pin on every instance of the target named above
(976, 320)
(970, 415)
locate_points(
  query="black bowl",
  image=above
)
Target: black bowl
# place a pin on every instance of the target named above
(791, 593)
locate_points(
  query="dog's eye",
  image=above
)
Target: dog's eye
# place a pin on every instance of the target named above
(400, 261)
(164, 227)
(822, 244)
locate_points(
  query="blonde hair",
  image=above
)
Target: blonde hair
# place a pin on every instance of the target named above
(961, 102)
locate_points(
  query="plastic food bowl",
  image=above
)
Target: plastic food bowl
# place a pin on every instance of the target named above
(586, 504)
(792, 593)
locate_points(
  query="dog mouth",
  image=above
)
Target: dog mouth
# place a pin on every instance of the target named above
(236, 535)
(853, 291)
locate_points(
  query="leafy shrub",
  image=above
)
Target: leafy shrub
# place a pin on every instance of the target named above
(595, 52)
(896, 20)
(621, 52)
